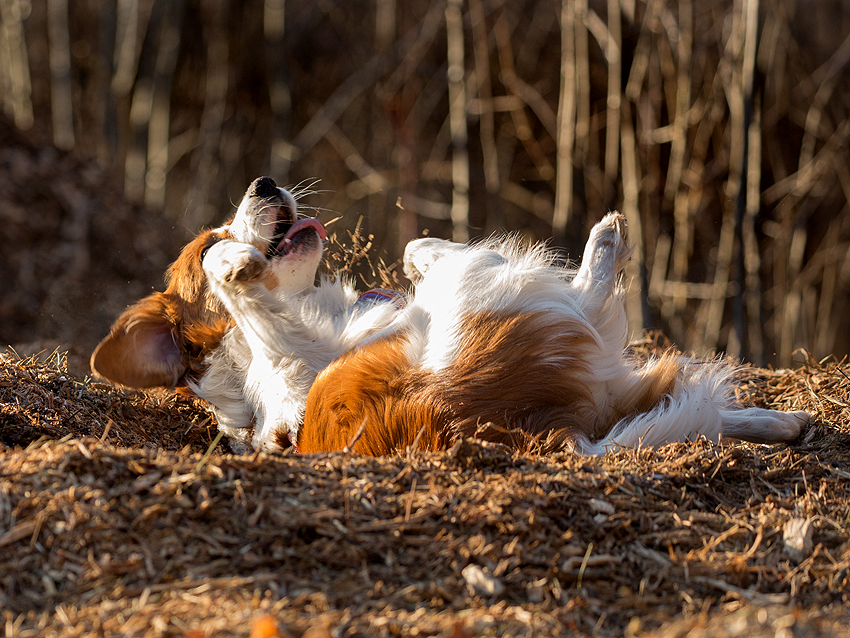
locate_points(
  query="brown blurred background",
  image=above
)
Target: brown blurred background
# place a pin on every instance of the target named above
(719, 127)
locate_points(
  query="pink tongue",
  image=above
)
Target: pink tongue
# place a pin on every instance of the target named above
(297, 227)
(307, 222)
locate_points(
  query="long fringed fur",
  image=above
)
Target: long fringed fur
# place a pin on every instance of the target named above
(501, 342)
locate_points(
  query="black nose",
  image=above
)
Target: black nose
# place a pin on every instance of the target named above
(263, 187)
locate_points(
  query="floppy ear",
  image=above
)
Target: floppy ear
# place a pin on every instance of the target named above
(142, 348)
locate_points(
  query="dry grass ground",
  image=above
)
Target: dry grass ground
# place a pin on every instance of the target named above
(118, 517)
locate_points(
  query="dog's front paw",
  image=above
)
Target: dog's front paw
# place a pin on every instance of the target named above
(230, 261)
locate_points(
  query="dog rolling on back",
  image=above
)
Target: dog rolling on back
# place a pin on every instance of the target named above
(241, 323)
(500, 343)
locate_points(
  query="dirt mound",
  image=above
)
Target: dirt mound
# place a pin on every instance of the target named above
(120, 518)
(40, 400)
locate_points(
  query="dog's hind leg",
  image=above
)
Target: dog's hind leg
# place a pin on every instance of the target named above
(605, 255)
(692, 414)
(759, 425)
(597, 284)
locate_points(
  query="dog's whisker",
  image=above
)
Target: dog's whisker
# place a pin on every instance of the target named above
(313, 209)
(303, 186)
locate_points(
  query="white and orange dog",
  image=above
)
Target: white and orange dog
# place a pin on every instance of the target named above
(500, 343)
(497, 341)
(241, 323)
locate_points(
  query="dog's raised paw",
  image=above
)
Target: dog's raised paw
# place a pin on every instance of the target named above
(609, 233)
(610, 230)
(230, 261)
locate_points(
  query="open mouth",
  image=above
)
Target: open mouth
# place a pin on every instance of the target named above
(282, 226)
(294, 234)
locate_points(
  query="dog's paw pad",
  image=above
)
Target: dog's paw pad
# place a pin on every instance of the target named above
(249, 269)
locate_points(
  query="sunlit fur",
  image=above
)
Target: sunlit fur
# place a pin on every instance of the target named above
(260, 376)
(240, 325)
(502, 343)
(166, 336)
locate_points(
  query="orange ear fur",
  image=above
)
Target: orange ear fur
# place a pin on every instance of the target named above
(157, 340)
(142, 348)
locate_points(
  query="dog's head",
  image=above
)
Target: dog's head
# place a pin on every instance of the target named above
(166, 336)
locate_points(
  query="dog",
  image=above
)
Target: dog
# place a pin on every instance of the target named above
(501, 343)
(241, 323)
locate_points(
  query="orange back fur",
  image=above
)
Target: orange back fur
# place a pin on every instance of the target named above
(375, 388)
(520, 380)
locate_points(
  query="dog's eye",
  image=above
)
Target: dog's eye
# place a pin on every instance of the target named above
(212, 243)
